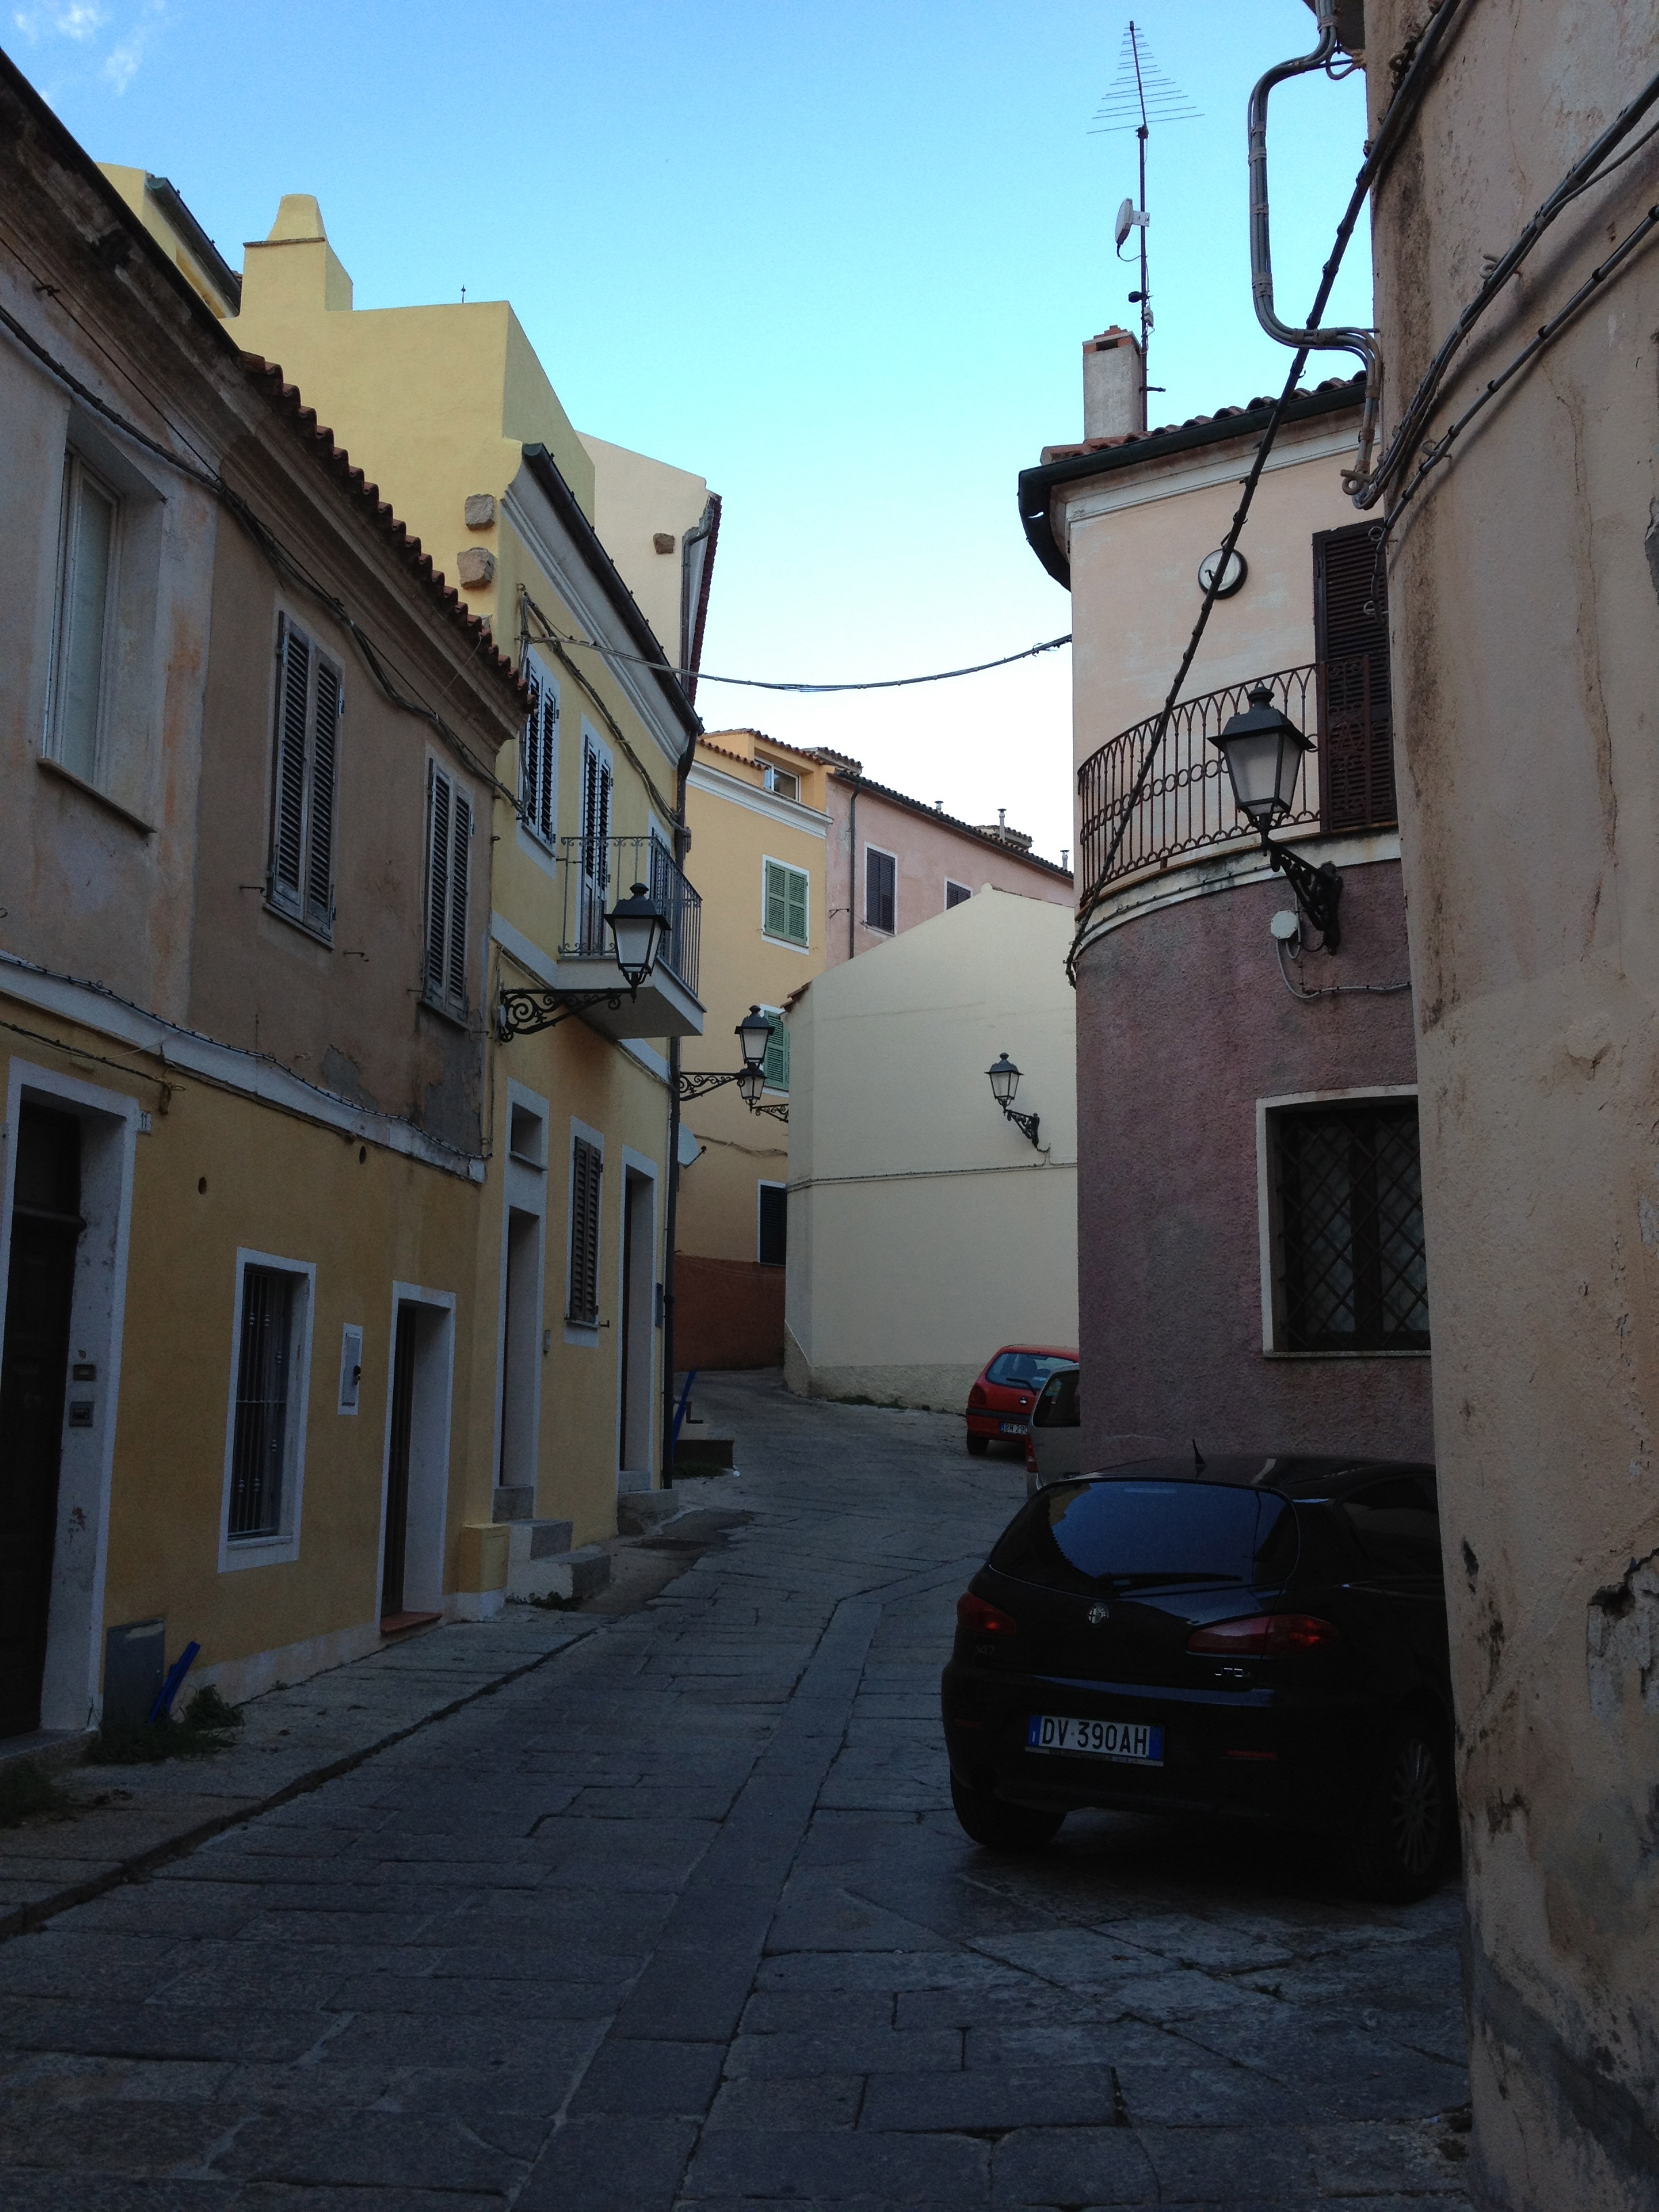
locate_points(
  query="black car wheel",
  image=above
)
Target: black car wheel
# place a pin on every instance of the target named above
(978, 1445)
(1404, 1840)
(986, 1820)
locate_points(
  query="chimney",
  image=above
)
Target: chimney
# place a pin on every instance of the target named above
(1114, 404)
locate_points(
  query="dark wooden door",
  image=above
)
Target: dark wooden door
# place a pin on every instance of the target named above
(397, 1479)
(41, 1285)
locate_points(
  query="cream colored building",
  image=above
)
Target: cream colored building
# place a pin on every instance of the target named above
(925, 1229)
(449, 408)
(756, 812)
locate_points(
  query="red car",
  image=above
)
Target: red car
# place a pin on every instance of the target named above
(1000, 1404)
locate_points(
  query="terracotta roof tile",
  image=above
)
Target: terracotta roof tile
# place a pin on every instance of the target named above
(1257, 406)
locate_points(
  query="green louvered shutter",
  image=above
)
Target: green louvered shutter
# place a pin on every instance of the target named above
(776, 1063)
(798, 883)
(777, 900)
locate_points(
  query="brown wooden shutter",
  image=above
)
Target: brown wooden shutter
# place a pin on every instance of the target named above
(586, 1170)
(1351, 642)
(437, 879)
(287, 813)
(460, 858)
(324, 779)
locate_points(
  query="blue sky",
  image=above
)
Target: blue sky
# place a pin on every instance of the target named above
(838, 258)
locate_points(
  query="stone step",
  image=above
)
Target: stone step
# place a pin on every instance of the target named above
(536, 1540)
(567, 1576)
(638, 1511)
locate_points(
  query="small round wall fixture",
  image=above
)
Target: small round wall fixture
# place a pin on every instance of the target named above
(1285, 924)
(1233, 577)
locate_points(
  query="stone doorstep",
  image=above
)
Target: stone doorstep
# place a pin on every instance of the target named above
(566, 1575)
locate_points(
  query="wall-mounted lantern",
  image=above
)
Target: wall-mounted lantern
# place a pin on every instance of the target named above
(754, 1034)
(639, 929)
(1264, 753)
(1005, 1086)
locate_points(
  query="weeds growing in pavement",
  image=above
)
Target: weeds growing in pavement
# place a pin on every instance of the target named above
(27, 1792)
(207, 1724)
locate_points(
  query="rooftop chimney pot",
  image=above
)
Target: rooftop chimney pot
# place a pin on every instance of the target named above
(1114, 402)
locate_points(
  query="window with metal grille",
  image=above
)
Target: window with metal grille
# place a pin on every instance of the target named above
(305, 783)
(1350, 643)
(1350, 1263)
(587, 1176)
(539, 755)
(880, 890)
(448, 861)
(261, 1442)
(784, 904)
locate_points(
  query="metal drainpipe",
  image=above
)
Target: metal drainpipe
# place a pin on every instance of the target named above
(672, 1206)
(852, 872)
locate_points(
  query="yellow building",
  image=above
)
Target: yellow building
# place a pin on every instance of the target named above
(248, 742)
(755, 810)
(451, 410)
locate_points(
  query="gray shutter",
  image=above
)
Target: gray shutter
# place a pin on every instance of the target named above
(288, 812)
(530, 752)
(437, 879)
(460, 860)
(586, 1170)
(325, 779)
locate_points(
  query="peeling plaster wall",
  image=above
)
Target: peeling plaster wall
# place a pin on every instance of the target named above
(1527, 682)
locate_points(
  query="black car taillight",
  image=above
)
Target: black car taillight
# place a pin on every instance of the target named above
(981, 1618)
(1265, 1635)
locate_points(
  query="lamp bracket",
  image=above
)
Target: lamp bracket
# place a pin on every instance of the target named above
(778, 1111)
(1027, 1124)
(525, 1013)
(693, 1085)
(1318, 889)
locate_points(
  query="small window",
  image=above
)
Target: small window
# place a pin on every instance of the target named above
(776, 1063)
(310, 704)
(955, 894)
(526, 1136)
(586, 1176)
(539, 756)
(268, 1421)
(449, 852)
(1350, 1262)
(781, 780)
(85, 622)
(786, 892)
(774, 1225)
(880, 890)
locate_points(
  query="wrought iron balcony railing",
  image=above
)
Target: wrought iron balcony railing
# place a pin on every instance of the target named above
(598, 871)
(1186, 802)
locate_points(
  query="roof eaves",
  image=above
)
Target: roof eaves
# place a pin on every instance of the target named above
(964, 829)
(1101, 456)
(545, 470)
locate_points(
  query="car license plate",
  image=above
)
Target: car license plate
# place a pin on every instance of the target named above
(1014, 1428)
(1138, 1742)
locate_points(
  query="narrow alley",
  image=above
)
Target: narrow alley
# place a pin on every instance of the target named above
(683, 1919)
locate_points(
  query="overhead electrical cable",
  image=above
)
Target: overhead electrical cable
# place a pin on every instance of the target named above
(776, 684)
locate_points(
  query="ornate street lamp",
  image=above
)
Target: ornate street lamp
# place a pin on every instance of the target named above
(1005, 1086)
(639, 929)
(754, 1034)
(1264, 751)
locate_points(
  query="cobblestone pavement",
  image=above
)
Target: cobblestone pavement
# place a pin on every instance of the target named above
(683, 1919)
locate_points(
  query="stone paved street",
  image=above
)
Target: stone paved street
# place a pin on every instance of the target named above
(683, 1919)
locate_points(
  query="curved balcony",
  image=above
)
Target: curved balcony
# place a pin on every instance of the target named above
(1185, 806)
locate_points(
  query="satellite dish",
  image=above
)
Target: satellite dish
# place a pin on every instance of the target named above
(1125, 223)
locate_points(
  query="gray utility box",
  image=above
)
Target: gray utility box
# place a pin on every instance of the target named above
(135, 1666)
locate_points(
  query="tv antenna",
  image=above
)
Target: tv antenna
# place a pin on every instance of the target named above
(1139, 95)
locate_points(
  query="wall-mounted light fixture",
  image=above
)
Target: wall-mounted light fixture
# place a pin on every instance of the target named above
(638, 929)
(1004, 1085)
(754, 1034)
(1264, 751)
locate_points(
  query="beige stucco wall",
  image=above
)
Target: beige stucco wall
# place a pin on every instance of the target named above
(1526, 673)
(635, 498)
(924, 1231)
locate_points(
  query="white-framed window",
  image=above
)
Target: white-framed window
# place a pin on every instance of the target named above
(772, 1224)
(593, 852)
(776, 1063)
(586, 1202)
(1344, 1259)
(448, 867)
(538, 755)
(955, 894)
(786, 902)
(305, 781)
(270, 1391)
(84, 622)
(782, 781)
(880, 890)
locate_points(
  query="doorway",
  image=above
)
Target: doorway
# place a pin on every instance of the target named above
(521, 1332)
(639, 1320)
(46, 1231)
(416, 1497)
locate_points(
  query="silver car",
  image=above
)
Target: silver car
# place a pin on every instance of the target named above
(1054, 1443)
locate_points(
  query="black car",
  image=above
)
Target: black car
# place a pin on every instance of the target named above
(1253, 1637)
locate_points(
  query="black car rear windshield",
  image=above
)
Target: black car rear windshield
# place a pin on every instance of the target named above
(1024, 1371)
(1139, 1534)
